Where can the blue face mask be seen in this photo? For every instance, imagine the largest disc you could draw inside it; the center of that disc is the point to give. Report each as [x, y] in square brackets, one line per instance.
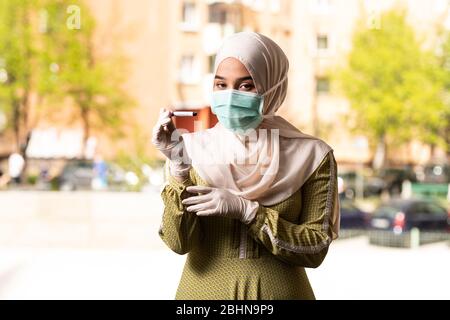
[237, 110]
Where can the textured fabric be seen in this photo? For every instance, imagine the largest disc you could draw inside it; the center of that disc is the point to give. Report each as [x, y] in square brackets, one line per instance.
[263, 260]
[267, 166]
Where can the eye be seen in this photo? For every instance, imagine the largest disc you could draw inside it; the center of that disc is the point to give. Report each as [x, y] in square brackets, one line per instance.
[246, 87]
[221, 85]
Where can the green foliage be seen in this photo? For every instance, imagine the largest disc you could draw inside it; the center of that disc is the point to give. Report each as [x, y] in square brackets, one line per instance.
[43, 55]
[93, 82]
[444, 60]
[18, 52]
[32, 179]
[393, 84]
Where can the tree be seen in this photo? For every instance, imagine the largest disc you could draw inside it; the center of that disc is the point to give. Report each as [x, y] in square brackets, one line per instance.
[47, 51]
[392, 85]
[18, 65]
[444, 125]
[91, 81]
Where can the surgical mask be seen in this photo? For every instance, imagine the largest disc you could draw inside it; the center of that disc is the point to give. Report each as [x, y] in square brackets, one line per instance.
[237, 110]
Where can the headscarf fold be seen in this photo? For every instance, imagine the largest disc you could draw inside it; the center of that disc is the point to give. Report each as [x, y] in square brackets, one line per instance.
[273, 164]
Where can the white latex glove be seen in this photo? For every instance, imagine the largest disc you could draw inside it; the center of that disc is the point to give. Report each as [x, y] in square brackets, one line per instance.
[162, 140]
[220, 202]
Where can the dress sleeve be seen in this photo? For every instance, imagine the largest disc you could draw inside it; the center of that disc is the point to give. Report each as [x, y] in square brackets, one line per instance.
[304, 243]
[180, 229]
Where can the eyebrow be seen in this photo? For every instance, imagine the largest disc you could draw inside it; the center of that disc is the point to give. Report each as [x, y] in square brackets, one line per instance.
[239, 79]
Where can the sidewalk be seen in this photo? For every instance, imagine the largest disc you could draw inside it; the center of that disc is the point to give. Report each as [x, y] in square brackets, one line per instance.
[106, 246]
[352, 270]
[88, 274]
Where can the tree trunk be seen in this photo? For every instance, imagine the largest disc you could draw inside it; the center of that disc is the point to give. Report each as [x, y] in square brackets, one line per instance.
[447, 138]
[379, 159]
[86, 128]
[16, 125]
[26, 130]
[432, 151]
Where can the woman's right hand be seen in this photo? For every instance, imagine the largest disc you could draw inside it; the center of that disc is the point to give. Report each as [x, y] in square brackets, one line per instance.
[162, 140]
[162, 133]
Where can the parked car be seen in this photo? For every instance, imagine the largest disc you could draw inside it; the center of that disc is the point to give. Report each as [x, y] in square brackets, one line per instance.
[353, 217]
[79, 175]
[394, 177]
[354, 221]
[393, 222]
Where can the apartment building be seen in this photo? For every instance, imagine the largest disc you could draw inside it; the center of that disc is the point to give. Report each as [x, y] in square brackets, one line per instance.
[171, 44]
[174, 43]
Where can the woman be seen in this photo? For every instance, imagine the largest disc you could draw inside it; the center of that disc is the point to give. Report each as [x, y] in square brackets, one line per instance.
[250, 226]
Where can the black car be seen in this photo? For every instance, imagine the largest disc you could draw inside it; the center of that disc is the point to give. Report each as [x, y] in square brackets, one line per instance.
[400, 222]
[354, 221]
[353, 217]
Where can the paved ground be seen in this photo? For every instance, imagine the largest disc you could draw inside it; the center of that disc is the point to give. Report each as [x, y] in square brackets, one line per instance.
[105, 246]
[352, 270]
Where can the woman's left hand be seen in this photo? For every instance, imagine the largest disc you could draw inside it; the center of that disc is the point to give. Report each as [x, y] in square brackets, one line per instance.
[220, 202]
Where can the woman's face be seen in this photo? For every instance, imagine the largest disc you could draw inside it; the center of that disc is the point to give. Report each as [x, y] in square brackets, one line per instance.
[232, 74]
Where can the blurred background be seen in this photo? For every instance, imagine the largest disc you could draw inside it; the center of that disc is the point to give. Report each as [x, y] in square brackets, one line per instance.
[81, 85]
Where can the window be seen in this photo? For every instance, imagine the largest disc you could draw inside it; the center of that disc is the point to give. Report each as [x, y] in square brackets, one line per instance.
[418, 209]
[323, 86]
[435, 210]
[322, 42]
[322, 45]
[189, 70]
[189, 16]
[217, 13]
[224, 14]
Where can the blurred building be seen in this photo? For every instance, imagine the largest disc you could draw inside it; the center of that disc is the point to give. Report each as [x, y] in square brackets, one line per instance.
[321, 37]
[171, 45]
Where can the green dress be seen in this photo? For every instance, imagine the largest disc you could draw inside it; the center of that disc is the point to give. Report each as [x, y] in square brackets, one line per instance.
[262, 260]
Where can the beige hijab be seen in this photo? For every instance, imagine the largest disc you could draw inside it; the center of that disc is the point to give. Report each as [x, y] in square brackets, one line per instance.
[272, 165]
